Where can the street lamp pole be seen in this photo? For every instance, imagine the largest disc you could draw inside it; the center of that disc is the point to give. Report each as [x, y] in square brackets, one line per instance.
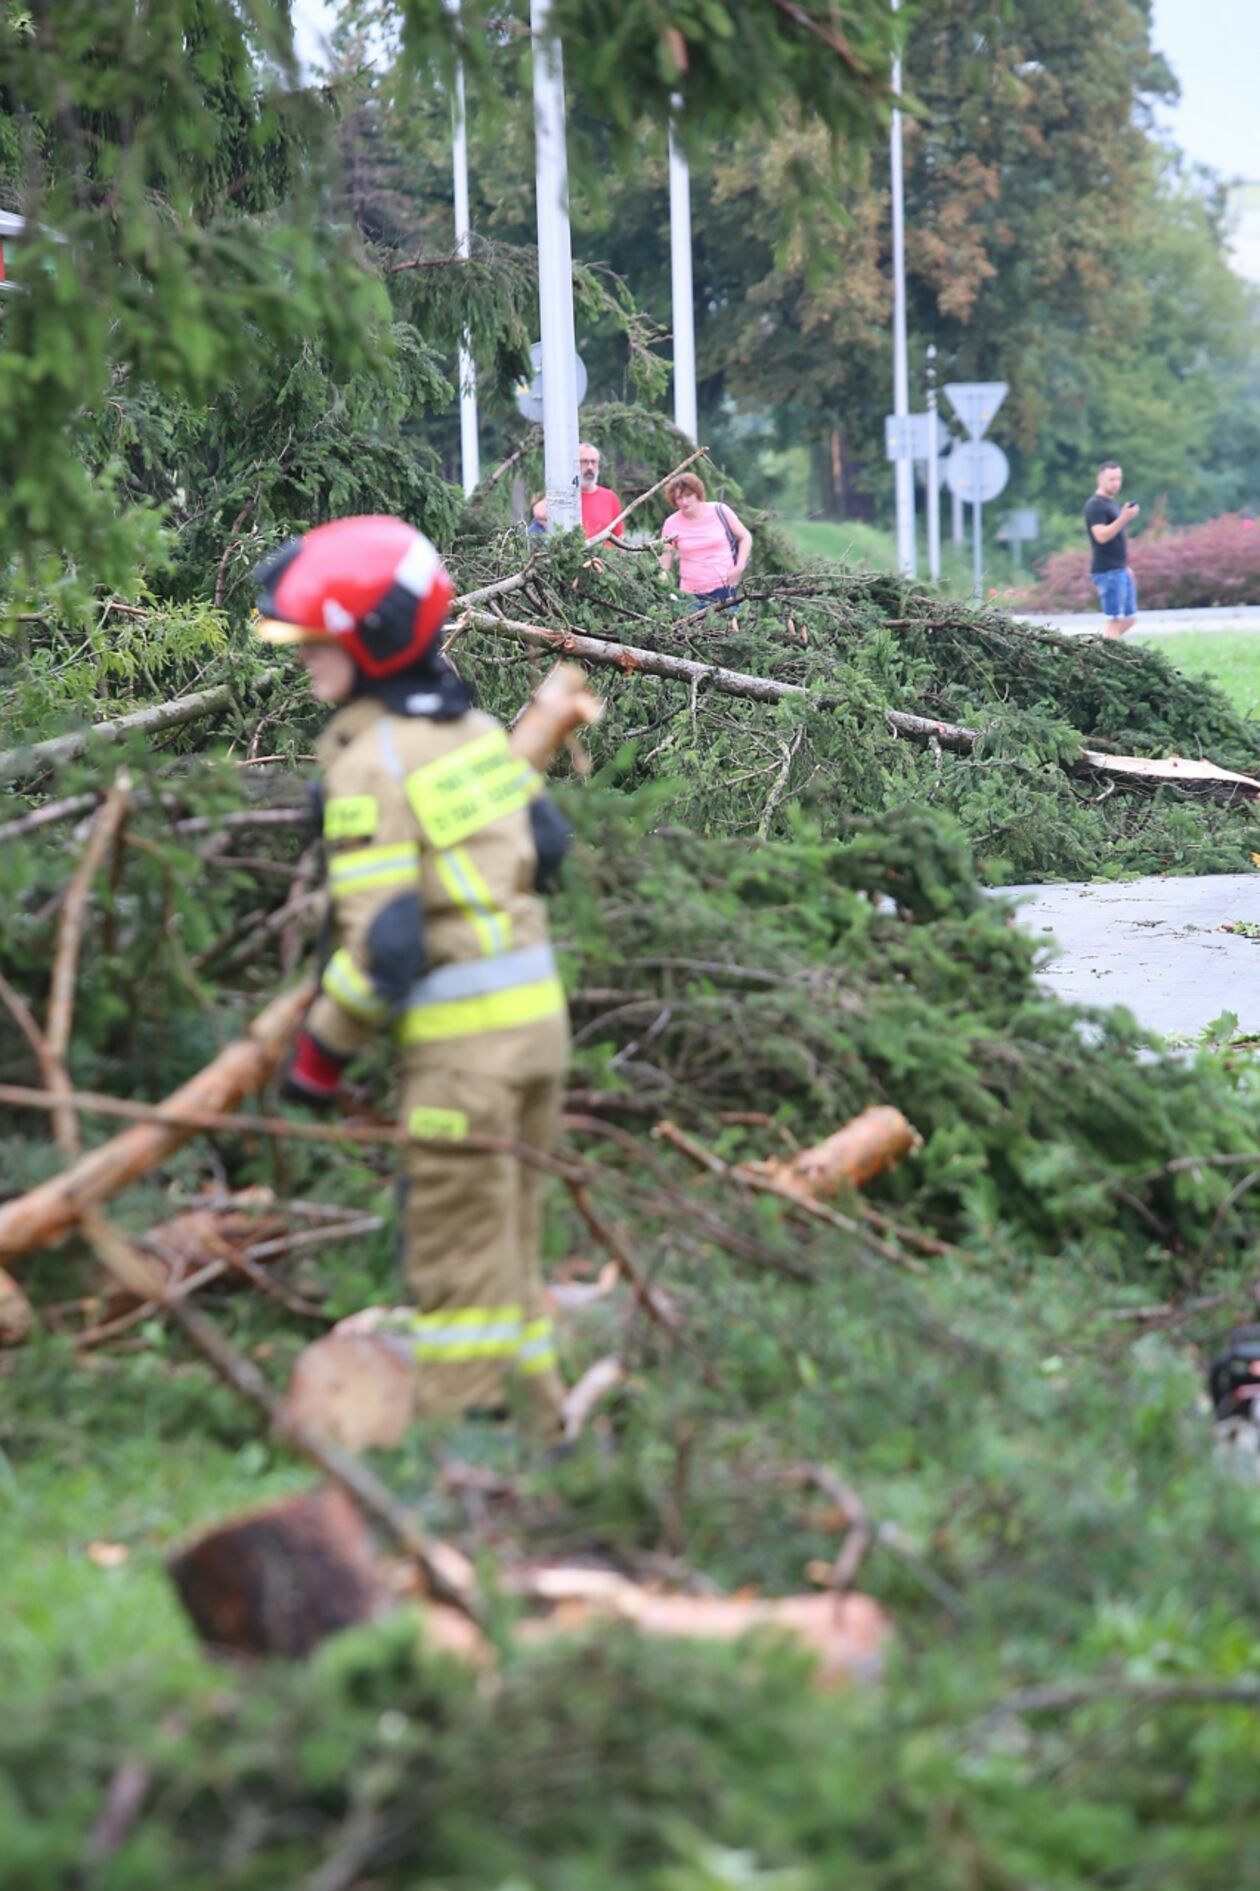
[904, 467]
[469, 449]
[682, 293]
[933, 472]
[555, 279]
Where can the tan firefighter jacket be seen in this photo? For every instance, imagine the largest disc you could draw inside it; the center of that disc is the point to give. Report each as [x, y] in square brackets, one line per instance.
[438, 932]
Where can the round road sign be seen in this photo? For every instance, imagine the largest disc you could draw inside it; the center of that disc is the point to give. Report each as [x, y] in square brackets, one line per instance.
[528, 394]
[977, 470]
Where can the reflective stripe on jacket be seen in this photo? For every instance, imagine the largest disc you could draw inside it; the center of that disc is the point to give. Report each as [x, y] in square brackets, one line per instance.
[430, 853]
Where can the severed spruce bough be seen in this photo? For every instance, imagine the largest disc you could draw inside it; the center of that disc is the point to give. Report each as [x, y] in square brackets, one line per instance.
[990, 1360]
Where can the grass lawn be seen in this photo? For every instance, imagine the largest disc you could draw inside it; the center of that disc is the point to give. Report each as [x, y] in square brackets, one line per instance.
[849, 542]
[1230, 658]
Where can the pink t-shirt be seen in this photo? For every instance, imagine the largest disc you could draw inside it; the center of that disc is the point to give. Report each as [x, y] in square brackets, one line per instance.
[705, 562]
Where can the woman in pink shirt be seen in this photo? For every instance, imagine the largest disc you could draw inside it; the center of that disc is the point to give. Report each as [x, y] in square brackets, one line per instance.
[712, 545]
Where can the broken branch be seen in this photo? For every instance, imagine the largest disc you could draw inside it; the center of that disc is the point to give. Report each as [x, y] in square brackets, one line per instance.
[105, 829]
[654, 1304]
[50, 1211]
[645, 496]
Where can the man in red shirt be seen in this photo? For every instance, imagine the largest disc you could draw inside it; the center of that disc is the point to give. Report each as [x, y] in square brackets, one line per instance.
[600, 504]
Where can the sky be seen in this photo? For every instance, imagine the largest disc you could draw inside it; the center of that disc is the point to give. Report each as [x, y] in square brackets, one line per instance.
[312, 20]
[1213, 46]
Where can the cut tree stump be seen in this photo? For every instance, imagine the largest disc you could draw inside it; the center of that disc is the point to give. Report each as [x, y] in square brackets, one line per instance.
[282, 1579]
[355, 1388]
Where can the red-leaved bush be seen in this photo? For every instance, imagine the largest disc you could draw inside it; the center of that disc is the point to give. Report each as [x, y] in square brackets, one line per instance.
[1216, 563]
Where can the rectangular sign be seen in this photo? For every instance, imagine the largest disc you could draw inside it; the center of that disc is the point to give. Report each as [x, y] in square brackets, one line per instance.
[898, 437]
[1020, 524]
[906, 436]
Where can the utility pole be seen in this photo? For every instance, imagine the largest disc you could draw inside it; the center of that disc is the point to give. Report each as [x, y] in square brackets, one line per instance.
[555, 279]
[904, 467]
[933, 472]
[469, 449]
[682, 294]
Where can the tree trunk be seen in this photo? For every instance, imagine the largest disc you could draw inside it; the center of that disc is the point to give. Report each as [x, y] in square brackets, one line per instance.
[1222, 784]
[63, 748]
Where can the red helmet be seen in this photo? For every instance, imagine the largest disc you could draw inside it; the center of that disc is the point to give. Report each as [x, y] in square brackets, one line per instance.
[375, 586]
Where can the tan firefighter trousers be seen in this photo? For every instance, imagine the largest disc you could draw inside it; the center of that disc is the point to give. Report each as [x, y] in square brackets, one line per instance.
[471, 1229]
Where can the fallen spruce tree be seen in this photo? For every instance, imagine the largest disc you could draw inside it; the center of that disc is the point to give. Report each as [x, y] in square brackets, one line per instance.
[977, 1380]
[1061, 757]
[858, 691]
[1023, 1451]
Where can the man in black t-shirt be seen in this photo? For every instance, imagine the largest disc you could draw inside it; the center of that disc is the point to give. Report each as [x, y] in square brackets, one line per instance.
[1108, 553]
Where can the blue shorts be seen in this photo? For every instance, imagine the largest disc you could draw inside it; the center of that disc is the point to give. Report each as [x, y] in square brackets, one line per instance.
[1117, 592]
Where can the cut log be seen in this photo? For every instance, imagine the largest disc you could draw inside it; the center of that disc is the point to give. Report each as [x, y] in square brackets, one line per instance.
[50, 1212]
[282, 1579]
[356, 1389]
[560, 704]
[874, 1141]
[849, 1634]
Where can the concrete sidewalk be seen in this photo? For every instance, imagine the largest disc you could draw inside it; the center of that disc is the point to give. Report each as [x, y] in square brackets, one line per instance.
[1245, 617]
[1153, 945]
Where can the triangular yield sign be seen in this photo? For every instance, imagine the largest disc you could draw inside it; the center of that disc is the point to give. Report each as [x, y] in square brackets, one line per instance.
[975, 403]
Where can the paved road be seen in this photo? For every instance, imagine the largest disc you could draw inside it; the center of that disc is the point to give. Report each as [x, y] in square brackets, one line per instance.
[1154, 945]
[1159, 623]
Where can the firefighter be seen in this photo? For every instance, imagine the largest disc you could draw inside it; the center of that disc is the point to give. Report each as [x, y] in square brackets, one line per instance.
[439, 841]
